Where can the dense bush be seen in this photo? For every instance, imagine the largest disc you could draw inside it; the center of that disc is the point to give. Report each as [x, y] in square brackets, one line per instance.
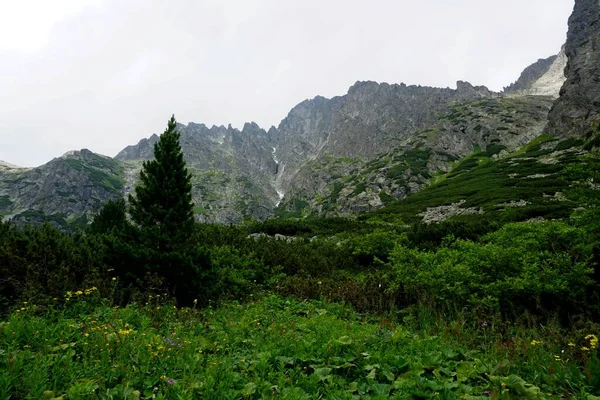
[41, 263]
[538, 267]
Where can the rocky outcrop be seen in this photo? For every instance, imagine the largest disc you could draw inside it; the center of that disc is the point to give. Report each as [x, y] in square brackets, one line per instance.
[7, 166]
[144, 150]
[67, 188]
[493, 127]
[233, 171]
[370, 119]
[577, 112]
[544, 77]
[435, 215]
[550, 83]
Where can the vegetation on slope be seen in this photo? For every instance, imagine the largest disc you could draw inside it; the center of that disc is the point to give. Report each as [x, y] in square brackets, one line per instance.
[372, 307]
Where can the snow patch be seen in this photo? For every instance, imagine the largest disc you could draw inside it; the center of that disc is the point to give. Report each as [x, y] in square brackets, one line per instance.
[280, 193]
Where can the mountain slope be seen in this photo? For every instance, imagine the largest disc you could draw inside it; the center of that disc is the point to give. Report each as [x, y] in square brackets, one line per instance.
[233, 171]
[366, 150]
[577, 111]
[543, 78]
[65, 190]
[337, 186]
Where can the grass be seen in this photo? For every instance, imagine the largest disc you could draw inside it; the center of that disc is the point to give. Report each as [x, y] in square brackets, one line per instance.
[200, 210]
[277, 347]
[483, 183]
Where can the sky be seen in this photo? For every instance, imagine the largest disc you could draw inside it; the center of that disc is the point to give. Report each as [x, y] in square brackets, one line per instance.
[103, 74]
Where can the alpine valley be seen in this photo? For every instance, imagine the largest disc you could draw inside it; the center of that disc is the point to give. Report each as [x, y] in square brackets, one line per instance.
[419, 152]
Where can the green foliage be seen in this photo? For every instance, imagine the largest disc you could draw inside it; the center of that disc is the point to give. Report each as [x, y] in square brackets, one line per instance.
[534, 267]
[385, 197]
[455, 302]
[485, 184]
[162, 205]
[163, 213]
[38, 264]
[112, 217]
[277, 347]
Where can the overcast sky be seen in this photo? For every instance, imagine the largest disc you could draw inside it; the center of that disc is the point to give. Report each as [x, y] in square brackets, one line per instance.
[102, 74]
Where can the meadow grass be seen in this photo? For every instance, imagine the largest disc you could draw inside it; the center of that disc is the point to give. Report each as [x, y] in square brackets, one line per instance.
[277, 347]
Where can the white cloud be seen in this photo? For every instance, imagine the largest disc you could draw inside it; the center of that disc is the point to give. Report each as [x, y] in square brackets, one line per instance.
[25, 25]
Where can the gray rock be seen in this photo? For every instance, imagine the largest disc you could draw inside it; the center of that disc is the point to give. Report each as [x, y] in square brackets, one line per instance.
[577, 111]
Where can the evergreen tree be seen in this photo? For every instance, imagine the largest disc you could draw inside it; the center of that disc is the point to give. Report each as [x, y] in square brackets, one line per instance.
[111, 218]
[162, 212]
[162, 205]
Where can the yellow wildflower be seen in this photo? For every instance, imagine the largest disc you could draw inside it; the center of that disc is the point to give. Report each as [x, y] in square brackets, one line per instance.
[585, 348]
[114, 279]
[536, 342]
[571, 344]
[593, 340]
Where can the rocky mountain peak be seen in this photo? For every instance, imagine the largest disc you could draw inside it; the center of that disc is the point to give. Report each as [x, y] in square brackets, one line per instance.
[6, 165]
[577, 112]
[545, 77]
[465, 89]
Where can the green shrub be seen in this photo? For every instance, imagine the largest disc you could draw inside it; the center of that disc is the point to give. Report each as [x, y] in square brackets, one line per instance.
[538, 267]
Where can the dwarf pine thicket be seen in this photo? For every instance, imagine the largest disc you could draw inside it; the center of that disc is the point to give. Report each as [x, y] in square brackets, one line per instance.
[155, 306]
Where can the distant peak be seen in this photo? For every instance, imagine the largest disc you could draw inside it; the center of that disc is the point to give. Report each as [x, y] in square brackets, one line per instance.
[71, 153]
[463, 87]
[5, 164]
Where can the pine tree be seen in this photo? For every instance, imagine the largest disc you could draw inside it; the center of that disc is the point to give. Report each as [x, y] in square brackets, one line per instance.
[162, 205]
[111, 218]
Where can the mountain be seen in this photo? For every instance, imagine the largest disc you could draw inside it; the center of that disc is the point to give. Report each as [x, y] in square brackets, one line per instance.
[339, 156]
[577, 112]
[66, 190]
[543, 78]
[337, 186]
[419, 152]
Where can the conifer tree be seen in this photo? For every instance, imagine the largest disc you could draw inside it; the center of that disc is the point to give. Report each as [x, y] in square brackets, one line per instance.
[162, 205]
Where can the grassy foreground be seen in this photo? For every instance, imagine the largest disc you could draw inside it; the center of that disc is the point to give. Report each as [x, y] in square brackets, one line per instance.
[278, 347]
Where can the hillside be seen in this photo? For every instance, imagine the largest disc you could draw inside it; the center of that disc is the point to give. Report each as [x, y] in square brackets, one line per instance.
[359, 152]
[362, 145]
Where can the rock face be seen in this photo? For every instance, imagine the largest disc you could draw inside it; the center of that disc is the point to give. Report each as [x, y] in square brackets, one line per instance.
[370, 119]
[66, 189]
[530, 75]
[357, 152]
[339, 186]
[6, 166]
[577, 111]
[543, 78]
[233, 171]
